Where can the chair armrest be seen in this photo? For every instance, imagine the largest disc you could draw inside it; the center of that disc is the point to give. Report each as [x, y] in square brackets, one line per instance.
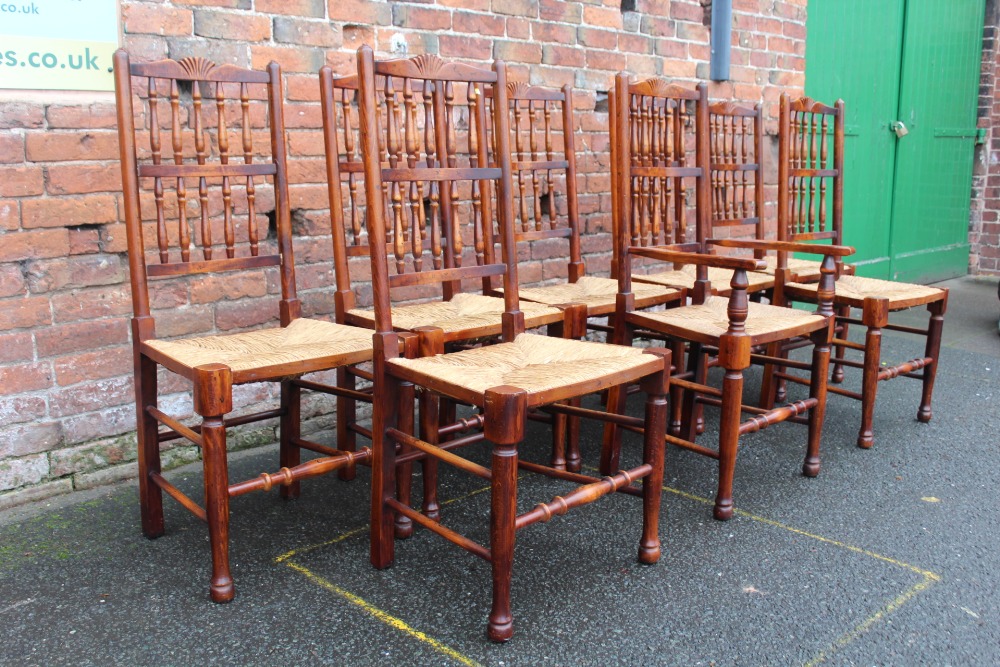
[787, 246]
[717, 261]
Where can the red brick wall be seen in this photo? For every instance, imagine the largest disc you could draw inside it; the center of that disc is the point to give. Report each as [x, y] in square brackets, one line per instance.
[984, 223]
[66, 413]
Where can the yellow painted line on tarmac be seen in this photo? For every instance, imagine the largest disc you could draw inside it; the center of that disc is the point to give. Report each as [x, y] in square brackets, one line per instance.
[867, 624]
[373, 611]
[385, 617]
[928, 578]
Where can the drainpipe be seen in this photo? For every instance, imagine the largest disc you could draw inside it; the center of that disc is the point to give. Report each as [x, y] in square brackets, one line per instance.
[721, 38]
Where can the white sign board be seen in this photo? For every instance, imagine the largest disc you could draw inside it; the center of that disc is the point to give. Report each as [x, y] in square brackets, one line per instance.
[58, 44]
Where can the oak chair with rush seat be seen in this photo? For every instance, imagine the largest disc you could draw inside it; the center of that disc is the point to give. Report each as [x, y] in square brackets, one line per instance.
[501, 381]
[805, 161]
[546, 212]
[648, 143]
[213, 228]
[445, 225]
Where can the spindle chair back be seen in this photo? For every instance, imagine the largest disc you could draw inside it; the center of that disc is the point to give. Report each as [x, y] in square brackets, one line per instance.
[435, 225]
[546, 207]
[736, 161]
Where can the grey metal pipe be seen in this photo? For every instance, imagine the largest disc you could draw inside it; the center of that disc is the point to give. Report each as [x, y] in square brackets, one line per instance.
[721, 39]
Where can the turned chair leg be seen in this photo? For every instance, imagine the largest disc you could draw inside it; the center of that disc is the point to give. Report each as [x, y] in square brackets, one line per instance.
[346, 418]
[653, 448]
[688, 429]
[447, 413]
[842, 331]
[574, 462]
[384, 417]
[932, 350]
[430, 341]
[505, 414]
[676, 393]
[404, 473]
[729, 436]
[869, 386]
[611, 443]
[289, 454]
[150, 495]
[768, 383]
[817, 390]
[213, 398]
[617, 397]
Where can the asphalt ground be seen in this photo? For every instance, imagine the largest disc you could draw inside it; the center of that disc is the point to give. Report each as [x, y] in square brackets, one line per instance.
[887, 558]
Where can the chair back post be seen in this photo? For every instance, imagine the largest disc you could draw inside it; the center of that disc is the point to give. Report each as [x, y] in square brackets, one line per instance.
[758, 179]
[440, 96]
[375, 216]
[290, 307]
[838, 181]
[784, 202]
[130, 189]
[621, 161]
[343, 296]
[613, 148]
[577, 267]
[703, 192]
[513, 318]
[483, 194]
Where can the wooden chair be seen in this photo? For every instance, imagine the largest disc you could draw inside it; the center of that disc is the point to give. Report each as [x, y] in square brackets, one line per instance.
[504, 381]
[434, 216]
[805, 166]
[655, 125]
[546, 212]
[213, 228]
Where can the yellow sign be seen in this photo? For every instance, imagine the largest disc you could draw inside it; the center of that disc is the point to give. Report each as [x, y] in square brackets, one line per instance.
[57, 44]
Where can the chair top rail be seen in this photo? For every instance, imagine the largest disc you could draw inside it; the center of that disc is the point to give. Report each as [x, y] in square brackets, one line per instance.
[198, 69]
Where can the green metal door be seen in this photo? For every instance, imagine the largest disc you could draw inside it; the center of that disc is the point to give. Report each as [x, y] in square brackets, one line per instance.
[906, 199]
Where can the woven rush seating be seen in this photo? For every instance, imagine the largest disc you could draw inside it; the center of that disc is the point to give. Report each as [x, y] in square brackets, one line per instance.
[853, 290]
[708, 321]
[804, 269]
[466, 316]
[720, 278]
[598, 294]
[302, 346]
[547, 368]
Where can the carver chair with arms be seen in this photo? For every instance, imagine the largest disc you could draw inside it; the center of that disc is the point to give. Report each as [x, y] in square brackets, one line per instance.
[655, 125]
[805, 166]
